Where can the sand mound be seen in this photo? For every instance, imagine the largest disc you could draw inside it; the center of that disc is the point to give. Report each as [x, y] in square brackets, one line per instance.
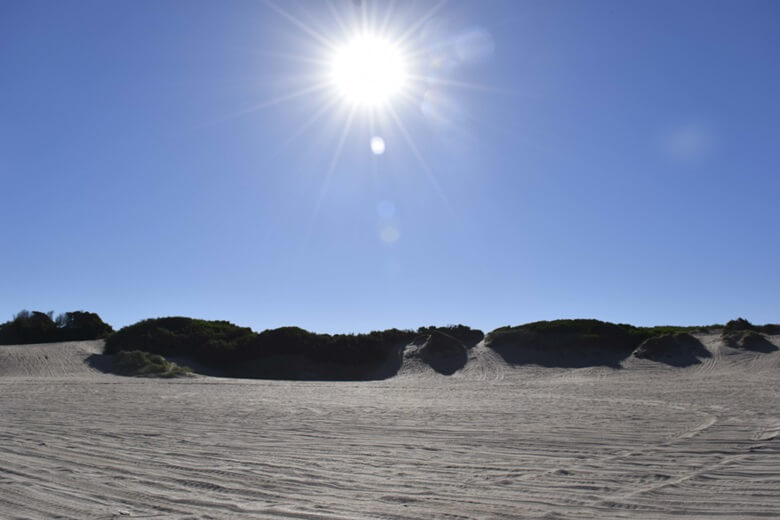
[484, 364]
[441, 352]
[50, 359]
[748, 340]
[679, 349]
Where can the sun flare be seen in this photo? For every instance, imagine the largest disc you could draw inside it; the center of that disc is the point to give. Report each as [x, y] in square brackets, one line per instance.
[368, 71]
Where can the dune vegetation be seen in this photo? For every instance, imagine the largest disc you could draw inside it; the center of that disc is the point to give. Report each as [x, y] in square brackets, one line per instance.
[142, 364]
[41, 327]
[221, 347]
[741, 325]
[576, 342]
[742, 334]
[282, 353]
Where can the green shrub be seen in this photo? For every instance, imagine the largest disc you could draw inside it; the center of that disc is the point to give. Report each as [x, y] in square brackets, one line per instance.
[354, 350]
[213, 342]
[741, 324]
[579, 333]
[81, 325]
[737, 325]
[275, 353]
[143, 364]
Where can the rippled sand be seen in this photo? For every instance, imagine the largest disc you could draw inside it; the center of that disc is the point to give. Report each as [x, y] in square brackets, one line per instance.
[491, 441]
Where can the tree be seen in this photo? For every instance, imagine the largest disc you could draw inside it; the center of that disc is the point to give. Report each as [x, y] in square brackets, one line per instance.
[81, 325]
[39, 327]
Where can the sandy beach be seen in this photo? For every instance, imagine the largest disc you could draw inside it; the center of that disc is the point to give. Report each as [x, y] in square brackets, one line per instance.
[491, 441]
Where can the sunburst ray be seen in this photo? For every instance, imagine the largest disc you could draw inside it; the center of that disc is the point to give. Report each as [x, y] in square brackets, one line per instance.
[331, 168]
[418, 156]
[301, 25]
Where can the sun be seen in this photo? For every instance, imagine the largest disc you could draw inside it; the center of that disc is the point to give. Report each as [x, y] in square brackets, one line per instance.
[368, 71]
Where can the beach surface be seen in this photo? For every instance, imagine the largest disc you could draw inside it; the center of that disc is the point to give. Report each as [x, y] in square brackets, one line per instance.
[491, 441]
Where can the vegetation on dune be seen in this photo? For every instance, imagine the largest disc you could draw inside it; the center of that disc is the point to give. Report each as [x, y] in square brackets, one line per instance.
[41, 327]
[214, 342]
[738, 324]
[292, 352]
[28, 327]
[81, 325]
[295, 353]
[662, 330]
[741, 324]
[577, 342]
[583, 333]
[142, 364]
[286, 352]
[338, 348]
[564, 343]
[577, 333]
[742, 334]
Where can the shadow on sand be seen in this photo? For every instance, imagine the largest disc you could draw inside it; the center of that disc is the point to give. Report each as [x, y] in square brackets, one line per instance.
[442, 352]
[297, 368]
[680, 350]
[101, 362]
[303, 368]
[749, 340]
[559, 351]
[560, 356]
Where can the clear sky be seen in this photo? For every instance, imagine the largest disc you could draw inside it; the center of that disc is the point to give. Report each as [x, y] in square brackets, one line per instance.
[615, 160]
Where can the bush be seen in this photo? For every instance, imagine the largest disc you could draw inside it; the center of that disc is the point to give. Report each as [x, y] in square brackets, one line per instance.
[737, 325]
[28, 327]
[322, 356]
[581, 333]
[564, 343]
[286, 352]
[80, 325]
[213, 342]
[741, 324]
[142, 364]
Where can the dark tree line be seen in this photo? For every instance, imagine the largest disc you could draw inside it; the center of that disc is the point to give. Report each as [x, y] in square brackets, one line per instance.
[286, 352]
[42, 327]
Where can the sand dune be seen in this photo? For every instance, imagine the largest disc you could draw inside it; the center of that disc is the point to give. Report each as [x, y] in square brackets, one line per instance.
[491, 441]
[49, 359]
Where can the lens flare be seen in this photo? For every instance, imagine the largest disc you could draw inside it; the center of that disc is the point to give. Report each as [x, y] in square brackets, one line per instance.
[377, 145]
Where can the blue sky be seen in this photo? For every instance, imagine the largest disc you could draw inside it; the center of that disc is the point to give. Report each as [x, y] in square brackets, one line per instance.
[614, 160]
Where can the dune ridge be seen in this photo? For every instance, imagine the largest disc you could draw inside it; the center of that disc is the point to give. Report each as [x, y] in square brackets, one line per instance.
[438, 353]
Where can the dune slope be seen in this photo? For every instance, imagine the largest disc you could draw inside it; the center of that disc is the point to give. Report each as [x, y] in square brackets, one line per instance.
[49, 359]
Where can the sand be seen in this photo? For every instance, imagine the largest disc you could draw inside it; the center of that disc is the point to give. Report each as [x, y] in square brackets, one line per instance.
[649, 440]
